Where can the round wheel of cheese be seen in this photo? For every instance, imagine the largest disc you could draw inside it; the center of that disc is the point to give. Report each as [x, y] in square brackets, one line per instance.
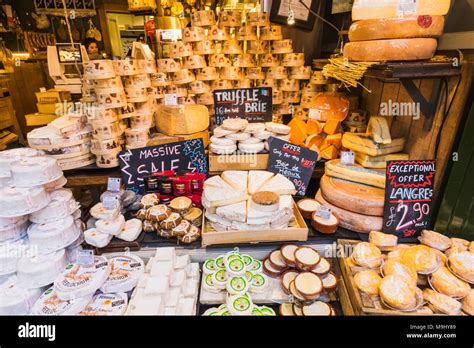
[287, 278]
[238, 136]
[264, 135]
[325, 226]
[223, 150]
[358, 198]
[318, 308]
[353, 221]
[306, 258]
[251, 148]
[309, 285]
[220, 132]
[286, 310]
[235, 124]
[251, 140]
[222, 141]
[329, 282]
[269, 270]
[283, 137]
[322, 268]
[253, 128]
[288, 254]
[277, 261]
[277, 128]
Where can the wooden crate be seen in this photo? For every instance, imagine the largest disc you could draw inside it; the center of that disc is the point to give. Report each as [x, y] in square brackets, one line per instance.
[357, 302]
[298, 231]
[220, 163]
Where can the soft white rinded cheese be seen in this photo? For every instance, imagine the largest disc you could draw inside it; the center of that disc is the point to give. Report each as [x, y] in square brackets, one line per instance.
[131, 230]
[79, 281]
[161, 268]
[157, 285]
[146, 306]
[170, 311]
[107, 304]
[11, 253]
[218, 219]
[19, 201]
[41, 270]
[186, 306]
[191, 289]
[125, 273]
[99, 212]
[96, 238]
[35, 171]
[192, 270]
[112, 227]
[9, 156]
[257, 179]
[249, 227]
[234, 212]
[54, 235]
[216, 181]
[50, 304]
[236, 179]
[15, 299]
[182, 262]
[62, 204]
[15, 231]
[166, 254]
[178, 279]
[219, 197]
[279, 184]
[172, 297]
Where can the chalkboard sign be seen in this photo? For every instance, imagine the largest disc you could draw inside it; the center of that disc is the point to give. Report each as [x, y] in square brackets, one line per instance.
[185, 155]
[253, 104]
[408, 198]
[292, 161]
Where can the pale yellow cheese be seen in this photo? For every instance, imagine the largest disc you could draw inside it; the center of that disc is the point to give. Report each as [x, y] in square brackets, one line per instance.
[379, 162]
[182, 119]
[379, 130]
[355, 173]
[367, 146]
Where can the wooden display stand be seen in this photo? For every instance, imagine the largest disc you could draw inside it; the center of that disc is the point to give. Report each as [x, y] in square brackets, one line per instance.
[297, 231]
[220, 163]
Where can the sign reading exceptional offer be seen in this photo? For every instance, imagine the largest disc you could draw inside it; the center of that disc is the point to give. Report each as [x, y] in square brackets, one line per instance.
[252, 104]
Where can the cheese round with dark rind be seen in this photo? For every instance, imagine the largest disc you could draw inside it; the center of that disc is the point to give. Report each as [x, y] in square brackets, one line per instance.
[358, 198]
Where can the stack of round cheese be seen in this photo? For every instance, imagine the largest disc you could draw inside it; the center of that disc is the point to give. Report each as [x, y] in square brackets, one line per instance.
[238, 134]
[15, 299]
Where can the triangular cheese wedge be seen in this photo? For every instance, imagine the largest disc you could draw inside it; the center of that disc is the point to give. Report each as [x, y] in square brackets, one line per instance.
[236, 179]
[279, 184]
[216, 181]
[257, 178]
[234, 212]
[221, 196]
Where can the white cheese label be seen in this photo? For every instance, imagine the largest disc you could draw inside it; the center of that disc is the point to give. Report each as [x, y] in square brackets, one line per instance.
[171, 99]
[315, 114]
[348, 158]
[110, 202]
[323, 212]
[85, 258]
[406, 7]
[113, 184]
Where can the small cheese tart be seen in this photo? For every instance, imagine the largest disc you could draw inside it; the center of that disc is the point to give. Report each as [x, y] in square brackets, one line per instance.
[158, 213]
[435, 240]
[383, 240]
[288, 254]
[397, 293]
[367, 255]
[309, 285]
[306, 258]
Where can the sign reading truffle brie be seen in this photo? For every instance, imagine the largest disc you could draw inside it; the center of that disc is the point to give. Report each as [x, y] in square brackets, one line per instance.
[408, 198]
[138, 163]
[293, 162]
[252, 104]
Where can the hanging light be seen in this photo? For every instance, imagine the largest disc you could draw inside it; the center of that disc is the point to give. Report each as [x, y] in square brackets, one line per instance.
[291, 15]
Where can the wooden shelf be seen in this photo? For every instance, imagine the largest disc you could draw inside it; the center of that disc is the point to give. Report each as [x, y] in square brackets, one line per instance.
[413, 70]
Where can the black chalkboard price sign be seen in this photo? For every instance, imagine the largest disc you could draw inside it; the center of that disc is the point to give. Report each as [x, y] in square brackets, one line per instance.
[253, 104]
[185, 155]
[408, 198]
[293, 162]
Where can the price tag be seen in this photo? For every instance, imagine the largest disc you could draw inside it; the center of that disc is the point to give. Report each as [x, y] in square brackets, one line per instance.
[348, 158]
[323, 212]
[110, 202]
[314, 114]
[171, 99]
[114, 184]
[85, 258]
[406, 7]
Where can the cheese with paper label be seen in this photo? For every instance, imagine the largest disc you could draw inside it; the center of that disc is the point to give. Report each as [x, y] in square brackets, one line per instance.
[376, 9]
[379, 162]
[183, 119]
[397, 28]
[355, 173]
[360, 143]
[379, 130]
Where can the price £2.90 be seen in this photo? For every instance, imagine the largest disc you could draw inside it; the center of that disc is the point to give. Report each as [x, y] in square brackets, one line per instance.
[422, 210]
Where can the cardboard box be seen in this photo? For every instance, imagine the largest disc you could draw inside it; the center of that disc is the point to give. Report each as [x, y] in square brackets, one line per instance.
[39, 119]
[53, 96]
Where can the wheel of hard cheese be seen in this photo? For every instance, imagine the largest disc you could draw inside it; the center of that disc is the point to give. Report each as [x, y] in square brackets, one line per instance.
[397, 28]
[353, 221]
[394, 50]
[348, 195]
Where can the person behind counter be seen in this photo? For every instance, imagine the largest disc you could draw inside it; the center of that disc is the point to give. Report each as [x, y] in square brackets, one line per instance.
[92, 47]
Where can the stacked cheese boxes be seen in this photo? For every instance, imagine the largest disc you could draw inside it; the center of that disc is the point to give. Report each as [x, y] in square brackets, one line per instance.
[238, 52]
[433, 278]
[395, 30]
[255, 200]
[322, 132]
[97, 287]
[32, 255]
[356, 193]
[67, 138]
[169, 286]
[51, 104]
[116, 104]
[111, 222]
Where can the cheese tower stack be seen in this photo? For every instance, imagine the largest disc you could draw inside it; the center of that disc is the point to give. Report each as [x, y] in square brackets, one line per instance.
[395, 30]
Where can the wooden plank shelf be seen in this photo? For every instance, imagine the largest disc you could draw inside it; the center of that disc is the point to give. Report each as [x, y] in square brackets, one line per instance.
[413, 70]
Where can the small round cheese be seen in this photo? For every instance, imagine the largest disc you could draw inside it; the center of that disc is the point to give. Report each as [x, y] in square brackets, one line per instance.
[251, 148]
[223, 150]
[235, 124]
[277, 128]
[222, 141]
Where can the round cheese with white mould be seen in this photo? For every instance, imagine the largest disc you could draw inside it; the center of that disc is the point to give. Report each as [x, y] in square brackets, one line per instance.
[108, 160]
[237, 285]
[269, 60]
[238, 136]
[35, 171]
[99, 69]
[11, 253]
[52, 236]
[266, 201]
[130, 231]
[105, 83]
[195, 62]
[62, 204]
[99, 212]
[106, 304]
[259, 284]
[50, 304]
[126, 271]
[223, 150]
[15, 299]
[56, 184]
[141, 121]
[254, 128]
[222, 141]
[9, 156]
[96, 238]
[19, 201]
[112, 227]
[264, 135]
[78, 281]
[276, 73]
[251, 140]
[126, 67]
[134, 136]
[66, 152]
[251, 148]
[40, 270]
[323, 225]
[301, 72]
[221, 132]
[15, 231]
[277, 128]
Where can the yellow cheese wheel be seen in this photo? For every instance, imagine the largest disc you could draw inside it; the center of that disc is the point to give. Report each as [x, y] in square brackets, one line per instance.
[353, 221]
[358, 198]
[397, 28]
[391, 50]
[377, 9]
